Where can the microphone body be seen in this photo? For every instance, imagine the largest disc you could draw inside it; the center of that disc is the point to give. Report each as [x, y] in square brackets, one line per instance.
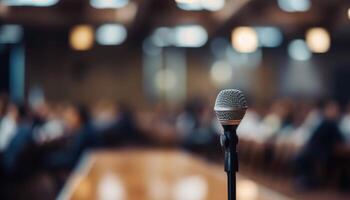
[230, 107]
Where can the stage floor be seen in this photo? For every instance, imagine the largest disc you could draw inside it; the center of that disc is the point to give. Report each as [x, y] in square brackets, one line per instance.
[155, 175]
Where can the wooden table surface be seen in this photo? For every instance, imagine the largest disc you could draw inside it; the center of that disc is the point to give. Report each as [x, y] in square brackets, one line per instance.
[154, 175]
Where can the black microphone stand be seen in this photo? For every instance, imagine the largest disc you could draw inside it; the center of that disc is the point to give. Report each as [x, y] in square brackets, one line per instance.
[229, 141]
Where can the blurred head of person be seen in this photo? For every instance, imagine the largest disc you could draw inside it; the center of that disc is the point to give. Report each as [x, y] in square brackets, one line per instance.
[330, 110]
[103, 114]
[40, 112]
[75, 118]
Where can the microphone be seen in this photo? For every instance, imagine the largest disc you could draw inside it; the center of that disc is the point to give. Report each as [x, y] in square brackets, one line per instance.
[230, 108]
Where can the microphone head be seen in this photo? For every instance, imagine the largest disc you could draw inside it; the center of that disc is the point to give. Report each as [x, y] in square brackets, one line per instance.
[230, 106]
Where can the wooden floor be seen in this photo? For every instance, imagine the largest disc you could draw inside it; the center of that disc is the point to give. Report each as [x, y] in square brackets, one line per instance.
[156, 175]
[285, 186]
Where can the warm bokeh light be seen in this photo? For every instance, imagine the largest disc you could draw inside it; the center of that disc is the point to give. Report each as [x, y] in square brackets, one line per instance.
[221, 73]
[82, 37]
[349, 13]
[318, 40]
[298, 50]
[244, 39]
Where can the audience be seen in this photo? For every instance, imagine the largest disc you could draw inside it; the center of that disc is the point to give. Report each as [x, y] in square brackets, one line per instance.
[319, 149]
[54, 136]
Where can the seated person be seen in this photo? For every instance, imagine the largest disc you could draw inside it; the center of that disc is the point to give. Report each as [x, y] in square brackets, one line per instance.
[319, 149]
[77, 124]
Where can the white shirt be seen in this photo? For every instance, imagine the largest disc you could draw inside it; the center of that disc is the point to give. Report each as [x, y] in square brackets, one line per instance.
[8, 128]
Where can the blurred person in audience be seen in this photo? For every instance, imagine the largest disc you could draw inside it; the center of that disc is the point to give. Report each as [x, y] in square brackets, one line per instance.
[304, 122]
[160, 126]
[8, 126]
[197, 126]
[117, 125]
[318, 151]
[277, 119]
[249, 126]
[270, 128]
[344, 124]
[51, 127]
[15, 156]
[103, 114]
[78, 125]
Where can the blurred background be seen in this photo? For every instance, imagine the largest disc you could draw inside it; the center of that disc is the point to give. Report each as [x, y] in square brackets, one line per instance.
[86, 75]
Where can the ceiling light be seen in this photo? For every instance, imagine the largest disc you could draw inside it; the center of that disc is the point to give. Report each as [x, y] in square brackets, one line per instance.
[101, 4]
[190, 36]
[211, 5]
[81, 37]
[39, 3]
[298, 50]
[111, 34]
[269, 36]
[244, 39]
[318, 40]
[294, 5]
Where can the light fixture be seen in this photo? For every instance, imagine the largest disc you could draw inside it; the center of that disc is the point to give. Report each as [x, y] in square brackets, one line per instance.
[190, 36]
[298, 50]
[294, 5]
[269, 36]
[102, 4]
[210, 5]
[180, 36]
[244, 39]
[318, 40]
[81, 37]
[221, 73]
[111, 34]
[38, 3]
[213, 5]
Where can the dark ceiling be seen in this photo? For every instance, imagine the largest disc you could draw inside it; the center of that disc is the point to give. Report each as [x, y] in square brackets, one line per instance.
[150, 14]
